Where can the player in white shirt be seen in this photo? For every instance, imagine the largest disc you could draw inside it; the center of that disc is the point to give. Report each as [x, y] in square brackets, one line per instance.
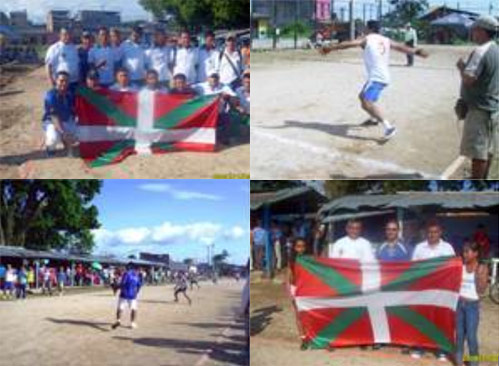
[432, 247]
[231, 64]
[158, 58]
[63, 56]
[122, 82]
[209, 58]
[134, 58]
[376, 59]
[185, 58]
[352, 246]
[102, 58]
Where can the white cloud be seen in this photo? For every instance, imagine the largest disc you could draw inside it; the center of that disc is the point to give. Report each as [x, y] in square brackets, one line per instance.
[133, 235]
[178, 193]
[235, 232]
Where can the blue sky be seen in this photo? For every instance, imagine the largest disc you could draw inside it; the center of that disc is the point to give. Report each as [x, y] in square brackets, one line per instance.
[178, 217]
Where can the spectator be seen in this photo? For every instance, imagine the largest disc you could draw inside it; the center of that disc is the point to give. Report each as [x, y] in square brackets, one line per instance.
[479, 103]
[63, 56]
[10, 281]
[31, 277]
[482, 239]
[22, 279]
[352, 246]
[61, 280]
[259, 245]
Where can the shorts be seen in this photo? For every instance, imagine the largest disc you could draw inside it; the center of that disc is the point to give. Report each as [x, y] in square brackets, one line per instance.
[53, 137]
[122, 303]
[372, 91]
[8, 286]
[480, 134]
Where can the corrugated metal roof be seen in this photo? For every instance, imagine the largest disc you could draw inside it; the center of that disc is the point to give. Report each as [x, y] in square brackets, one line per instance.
[19, 252]
[449, 200]
[259, 199]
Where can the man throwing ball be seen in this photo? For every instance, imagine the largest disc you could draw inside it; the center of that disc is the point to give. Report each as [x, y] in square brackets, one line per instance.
[129, 289]
[376, 58]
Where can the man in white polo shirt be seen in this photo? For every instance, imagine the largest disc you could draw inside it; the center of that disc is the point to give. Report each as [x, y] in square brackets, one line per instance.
[231, 64]
[186, 58]
[63, 56]
[134, 58]
[432, 247]
[209, 58]
[158, 57]
[352, 246]
[102, 58]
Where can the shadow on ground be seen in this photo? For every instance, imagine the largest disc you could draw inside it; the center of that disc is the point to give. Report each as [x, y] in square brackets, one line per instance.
[229, 352]
[341, 129]
[261, 318]
[103, 327]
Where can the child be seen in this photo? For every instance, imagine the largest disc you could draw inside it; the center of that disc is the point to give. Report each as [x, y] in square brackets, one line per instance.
[10, 279]
[61, 279]
[473, 284]
[181, 286]
[299, 248]
[22, 280]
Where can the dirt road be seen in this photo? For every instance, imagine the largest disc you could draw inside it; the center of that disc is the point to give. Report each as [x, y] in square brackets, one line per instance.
[75, 330]
[275, 341]
[306, 116]
[21, 141]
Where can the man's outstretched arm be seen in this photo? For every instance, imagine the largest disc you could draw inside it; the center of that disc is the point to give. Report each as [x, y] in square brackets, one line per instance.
[408, 50]
[324, 50]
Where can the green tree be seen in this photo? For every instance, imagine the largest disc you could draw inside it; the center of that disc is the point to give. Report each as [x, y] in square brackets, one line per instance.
[188, 261]
[220, 258]
[407, 10]
[45, 214]
[227, 14]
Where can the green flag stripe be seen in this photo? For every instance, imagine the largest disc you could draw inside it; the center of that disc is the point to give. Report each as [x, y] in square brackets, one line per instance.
[415, 272]
[341, 322]
[105, 106]
[112, 153]
[422, 324]
[329, 276]
[163, 146]
[175, 116]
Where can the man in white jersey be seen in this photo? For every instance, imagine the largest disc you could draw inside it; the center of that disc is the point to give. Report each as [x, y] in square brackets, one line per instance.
[352, 246]
[432, 247]
[63, 56]
[158, 58]
[376, 58]
[134, 58]
[185, 58]
[209, 58]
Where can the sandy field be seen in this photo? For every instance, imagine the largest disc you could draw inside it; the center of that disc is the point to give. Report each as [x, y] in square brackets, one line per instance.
[75, 330]
[275, 340]
[306, 116]
[21, 142]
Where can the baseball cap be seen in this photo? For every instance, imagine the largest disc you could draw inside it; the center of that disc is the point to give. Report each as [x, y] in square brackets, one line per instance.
[486, 22]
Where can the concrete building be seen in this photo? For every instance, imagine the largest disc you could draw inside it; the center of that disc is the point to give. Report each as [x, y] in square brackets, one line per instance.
[19, 18]
[57, 19]
[93, 19]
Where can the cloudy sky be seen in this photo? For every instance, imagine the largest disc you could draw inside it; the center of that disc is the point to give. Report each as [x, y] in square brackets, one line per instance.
[37, 9]
[179, 217]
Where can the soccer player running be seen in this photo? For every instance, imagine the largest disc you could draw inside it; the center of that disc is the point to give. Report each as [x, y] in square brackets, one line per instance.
[181, 287]
[376, 58]
[129, 290]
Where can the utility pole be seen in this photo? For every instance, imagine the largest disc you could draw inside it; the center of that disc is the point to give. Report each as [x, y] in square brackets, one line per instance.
[364, 13]
[342, 14]
[380, 11]
[352, 21]
[370, 11]
[274, 25]
[297, 9]
[490, 7]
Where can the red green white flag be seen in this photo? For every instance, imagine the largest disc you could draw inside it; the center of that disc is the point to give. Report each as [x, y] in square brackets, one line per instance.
[113, 125]
[342, 302]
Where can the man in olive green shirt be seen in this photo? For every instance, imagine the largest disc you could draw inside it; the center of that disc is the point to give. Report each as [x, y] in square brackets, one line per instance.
[480, 93]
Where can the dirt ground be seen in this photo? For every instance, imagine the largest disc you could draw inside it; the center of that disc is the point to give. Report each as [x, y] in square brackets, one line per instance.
[306, 116]
[275, 341]
[21, 155]
[75, 330]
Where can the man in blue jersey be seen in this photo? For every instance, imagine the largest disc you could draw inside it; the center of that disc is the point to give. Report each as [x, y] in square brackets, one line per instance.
[393, 249]
[129, 289]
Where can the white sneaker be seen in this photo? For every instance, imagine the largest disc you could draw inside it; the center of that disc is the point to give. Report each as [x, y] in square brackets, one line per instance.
[390, 132]
[442, 358]
[416, 355]
[133, 325]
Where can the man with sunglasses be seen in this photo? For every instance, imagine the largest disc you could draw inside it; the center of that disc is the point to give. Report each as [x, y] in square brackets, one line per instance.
[393, 249]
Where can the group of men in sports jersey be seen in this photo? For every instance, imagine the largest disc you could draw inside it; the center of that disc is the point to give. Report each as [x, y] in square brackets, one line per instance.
[170, 65]
[478, 105]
